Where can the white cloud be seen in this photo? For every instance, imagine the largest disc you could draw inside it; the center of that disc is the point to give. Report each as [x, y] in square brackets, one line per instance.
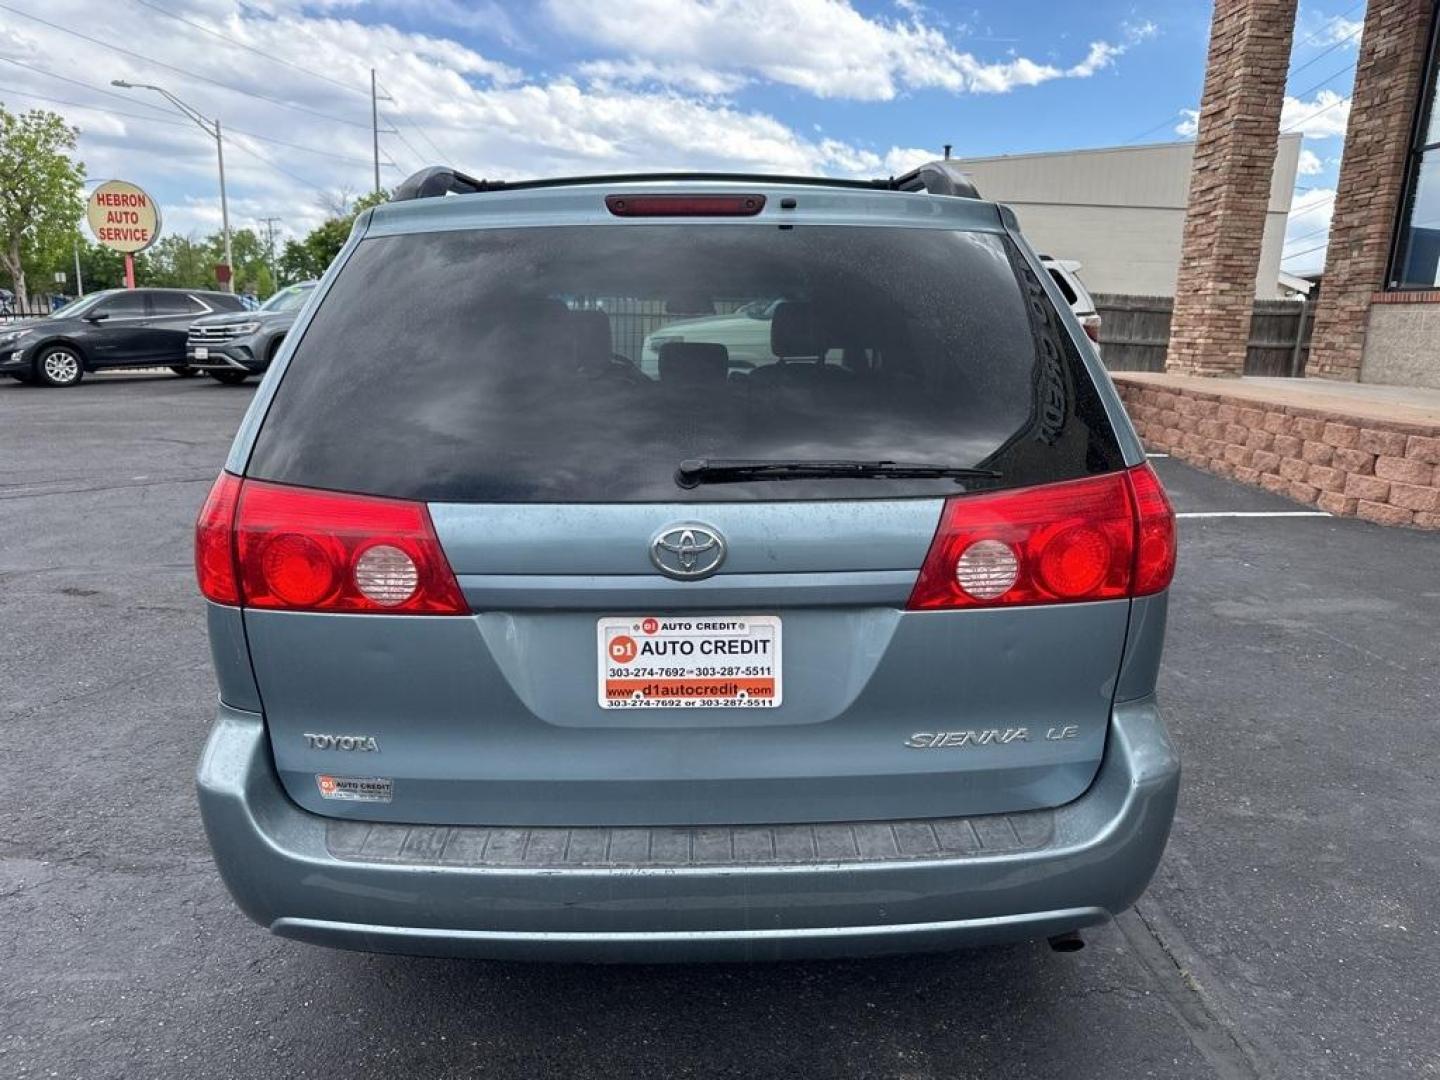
[450, 103]
[1101, 55]
[1315, 29]
[1342, 29]
[1310, 163]
[691, 77]
[1323, 118]
[842, 53]
[1307, 230]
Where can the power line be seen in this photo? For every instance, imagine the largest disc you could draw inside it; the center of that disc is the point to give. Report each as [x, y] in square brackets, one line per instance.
[1321, 56]
[1328, 23]
[278, 168]
[1307, 251]
[123, 97]
[92, 108]
[1313, 232]
[182, 71]
[1151, 130]
[401, 136]
[83, 85]
[1333, 75]
[174, 123]
[1289, 74]
[1311, 116]
[1306, 236]
[251, 49]
[441, 155]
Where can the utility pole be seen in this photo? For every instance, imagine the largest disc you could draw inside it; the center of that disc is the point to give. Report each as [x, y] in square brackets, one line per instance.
[375, 98]
[224, 209]
[269, 223]
[375, 126]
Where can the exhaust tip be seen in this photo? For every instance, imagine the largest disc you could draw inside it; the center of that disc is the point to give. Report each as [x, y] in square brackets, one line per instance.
[1066, 943]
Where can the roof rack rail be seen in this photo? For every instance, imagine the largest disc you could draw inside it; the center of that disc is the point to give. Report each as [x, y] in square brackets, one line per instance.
[936, 177]
[434, 181]
[942, 177]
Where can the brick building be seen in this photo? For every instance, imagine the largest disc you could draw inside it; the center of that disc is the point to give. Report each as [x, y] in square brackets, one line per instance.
[1360, 434]
[1378, 320]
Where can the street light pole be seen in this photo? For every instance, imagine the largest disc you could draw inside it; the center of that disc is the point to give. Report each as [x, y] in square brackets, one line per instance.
[211, 128]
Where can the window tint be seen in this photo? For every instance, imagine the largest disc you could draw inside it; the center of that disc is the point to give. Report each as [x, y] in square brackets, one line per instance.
[580, 364]
[122, 305]
[289, 299]
[1415, 261]
[168, 303]
[1065, 289]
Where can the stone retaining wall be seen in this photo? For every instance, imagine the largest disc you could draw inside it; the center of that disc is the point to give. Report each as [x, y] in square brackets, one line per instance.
[1383, 471]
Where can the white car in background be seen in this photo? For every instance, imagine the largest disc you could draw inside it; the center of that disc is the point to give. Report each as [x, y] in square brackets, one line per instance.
[1066, 275]
[746, 331]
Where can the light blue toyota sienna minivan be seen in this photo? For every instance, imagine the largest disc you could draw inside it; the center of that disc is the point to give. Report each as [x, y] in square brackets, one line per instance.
[841, 642]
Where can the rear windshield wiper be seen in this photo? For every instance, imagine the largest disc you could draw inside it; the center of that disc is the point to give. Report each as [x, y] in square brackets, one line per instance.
[699, 471]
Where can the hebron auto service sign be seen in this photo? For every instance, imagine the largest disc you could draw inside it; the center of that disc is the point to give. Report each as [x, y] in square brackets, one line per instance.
[123, 217]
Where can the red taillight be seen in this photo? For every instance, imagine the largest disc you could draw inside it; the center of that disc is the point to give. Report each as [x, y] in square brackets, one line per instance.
[684, 205]
[1101, 538]
[296, 549]
[1091, 326]
[214, 555]
[1155, 527]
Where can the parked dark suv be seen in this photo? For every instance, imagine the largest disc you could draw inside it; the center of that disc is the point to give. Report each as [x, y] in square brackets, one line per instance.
[527, 649]
[233, 346]
[116, 328]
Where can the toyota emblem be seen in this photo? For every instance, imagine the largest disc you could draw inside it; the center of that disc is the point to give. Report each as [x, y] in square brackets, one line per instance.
[687, 552]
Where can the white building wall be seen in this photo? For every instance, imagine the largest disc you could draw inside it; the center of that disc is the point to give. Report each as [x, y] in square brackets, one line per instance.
[1121, 212]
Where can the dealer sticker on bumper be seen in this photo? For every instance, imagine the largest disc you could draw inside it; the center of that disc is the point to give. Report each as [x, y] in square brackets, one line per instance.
[705, 662]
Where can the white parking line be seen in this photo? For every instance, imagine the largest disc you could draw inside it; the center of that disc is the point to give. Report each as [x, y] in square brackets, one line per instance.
[1255, 514]
[1158, 455]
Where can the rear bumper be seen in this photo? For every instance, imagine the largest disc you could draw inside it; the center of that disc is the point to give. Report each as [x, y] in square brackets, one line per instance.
[1096, 859]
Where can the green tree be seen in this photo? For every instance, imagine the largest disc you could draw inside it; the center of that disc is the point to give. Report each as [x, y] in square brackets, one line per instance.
[179, 262]
[249, 255]
[308, 258]
[41, 189]
[100, 268]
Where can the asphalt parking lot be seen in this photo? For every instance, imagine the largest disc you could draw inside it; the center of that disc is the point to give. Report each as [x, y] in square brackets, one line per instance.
[1291, 930]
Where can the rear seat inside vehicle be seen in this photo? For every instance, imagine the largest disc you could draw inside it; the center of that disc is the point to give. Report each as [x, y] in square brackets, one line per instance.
[695, 364]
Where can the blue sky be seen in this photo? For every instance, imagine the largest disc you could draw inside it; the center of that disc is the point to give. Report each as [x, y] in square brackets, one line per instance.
[848, 87]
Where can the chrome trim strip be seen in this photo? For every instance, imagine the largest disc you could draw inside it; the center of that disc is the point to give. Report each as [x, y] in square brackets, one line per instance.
[1079, 915]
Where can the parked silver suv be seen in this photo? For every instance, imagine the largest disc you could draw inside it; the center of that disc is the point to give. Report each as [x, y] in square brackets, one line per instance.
[527, 651]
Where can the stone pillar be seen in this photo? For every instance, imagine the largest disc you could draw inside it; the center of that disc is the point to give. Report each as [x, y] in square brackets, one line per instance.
[1372, 172]
[1230, 185]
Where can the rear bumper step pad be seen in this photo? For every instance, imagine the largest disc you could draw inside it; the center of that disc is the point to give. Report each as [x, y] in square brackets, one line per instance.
[779, 845]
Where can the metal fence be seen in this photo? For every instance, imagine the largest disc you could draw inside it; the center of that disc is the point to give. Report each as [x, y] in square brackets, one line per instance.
[35, 306]
[632, 320]
[1135, 332]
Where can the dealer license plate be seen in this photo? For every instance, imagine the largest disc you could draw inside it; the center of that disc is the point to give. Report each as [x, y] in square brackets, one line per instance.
[704, 662]
[202, 352]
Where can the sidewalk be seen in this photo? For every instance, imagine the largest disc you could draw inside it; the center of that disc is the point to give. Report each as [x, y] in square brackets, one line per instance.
[1352, 449]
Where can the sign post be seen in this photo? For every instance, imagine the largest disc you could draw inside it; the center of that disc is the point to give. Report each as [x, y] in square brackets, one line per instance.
[124, 219]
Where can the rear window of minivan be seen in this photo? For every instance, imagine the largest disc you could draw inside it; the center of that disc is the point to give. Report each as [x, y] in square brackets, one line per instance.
[584, 363]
